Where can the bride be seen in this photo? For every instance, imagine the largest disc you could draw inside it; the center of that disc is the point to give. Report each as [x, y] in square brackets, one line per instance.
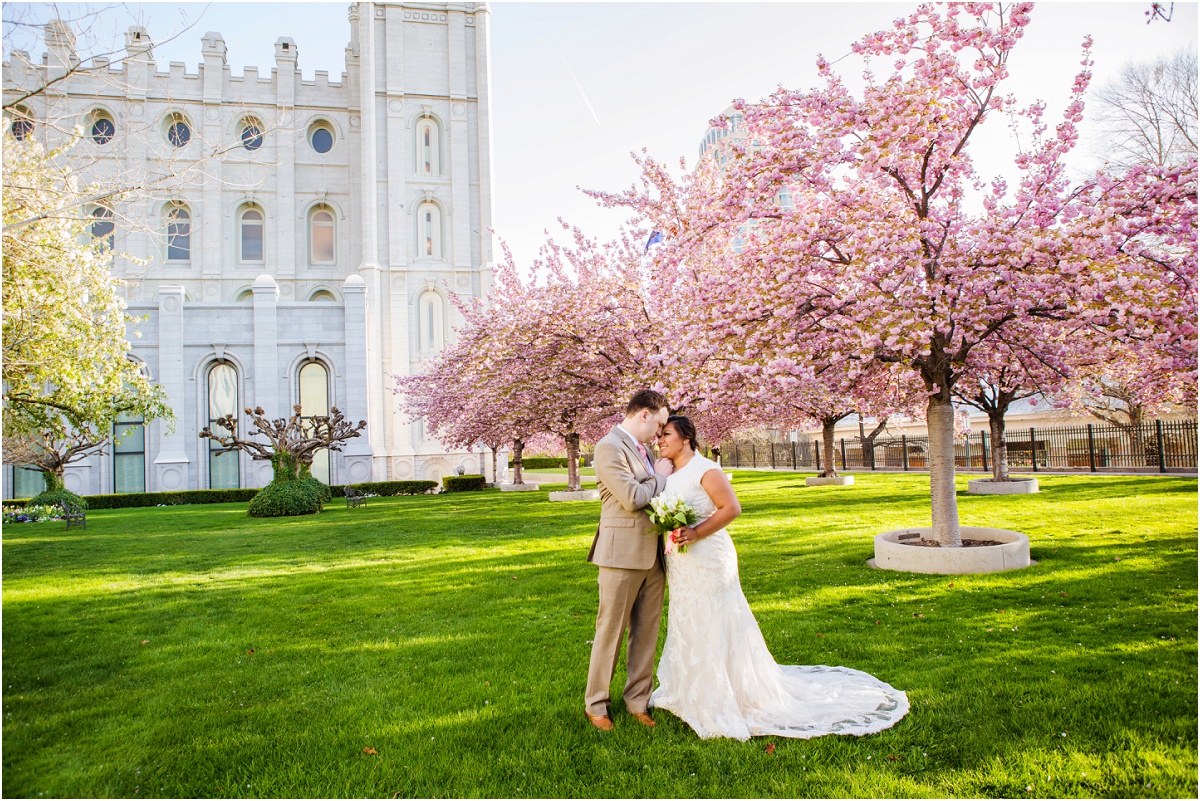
[716, 673]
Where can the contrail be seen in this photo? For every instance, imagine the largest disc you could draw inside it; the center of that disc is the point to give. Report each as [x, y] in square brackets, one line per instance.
[582, 94]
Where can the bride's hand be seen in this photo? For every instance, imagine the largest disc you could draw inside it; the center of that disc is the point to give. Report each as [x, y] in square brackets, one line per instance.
[664, 467]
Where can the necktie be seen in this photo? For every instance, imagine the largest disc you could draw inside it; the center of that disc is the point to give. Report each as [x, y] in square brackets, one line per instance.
[642, 451]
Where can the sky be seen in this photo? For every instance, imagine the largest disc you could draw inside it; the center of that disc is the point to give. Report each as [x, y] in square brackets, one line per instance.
[577, 87]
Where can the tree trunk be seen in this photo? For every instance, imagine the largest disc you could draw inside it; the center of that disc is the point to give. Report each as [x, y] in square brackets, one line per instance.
[716, 455]
[1137, 439]
[999, 445]
[495, 475]
[54, 478]
[572, 462]
[518, 449]
[939, 418]
[827, 426]
[868, 441]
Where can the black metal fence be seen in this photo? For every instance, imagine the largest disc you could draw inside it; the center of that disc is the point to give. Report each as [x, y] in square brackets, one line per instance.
[1156, 446]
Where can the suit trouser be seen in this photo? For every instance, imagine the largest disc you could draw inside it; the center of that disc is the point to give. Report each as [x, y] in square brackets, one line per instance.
[633, 600]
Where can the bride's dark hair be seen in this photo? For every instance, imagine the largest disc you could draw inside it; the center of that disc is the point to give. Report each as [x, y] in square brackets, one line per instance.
[686, 429]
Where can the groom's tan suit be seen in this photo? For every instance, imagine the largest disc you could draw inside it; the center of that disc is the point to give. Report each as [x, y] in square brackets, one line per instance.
[629, 555]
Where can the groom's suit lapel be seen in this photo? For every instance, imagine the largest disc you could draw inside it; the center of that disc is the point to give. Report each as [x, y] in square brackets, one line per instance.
[631, 449]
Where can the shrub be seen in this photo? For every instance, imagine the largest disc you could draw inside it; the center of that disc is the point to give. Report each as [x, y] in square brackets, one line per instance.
[302, 496]
[58, 497]
[387, 488]
[462, 483]
[544, 462]
[326, 492]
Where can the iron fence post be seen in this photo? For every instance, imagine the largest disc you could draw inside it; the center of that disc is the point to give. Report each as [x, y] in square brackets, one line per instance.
[1162, 454]
[844, 452]
[1091, 448]
[753, 455]
[904, 448]
[793, 456]
[983, 446]
[1033, 448]
[772, 455]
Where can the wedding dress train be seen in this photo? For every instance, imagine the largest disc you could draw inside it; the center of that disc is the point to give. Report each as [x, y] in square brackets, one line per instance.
[716, 673]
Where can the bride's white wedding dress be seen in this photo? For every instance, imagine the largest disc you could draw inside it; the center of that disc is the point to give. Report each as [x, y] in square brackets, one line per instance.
[716, 673]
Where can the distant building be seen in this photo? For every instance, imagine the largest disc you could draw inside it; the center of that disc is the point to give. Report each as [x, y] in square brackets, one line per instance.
[309, 260]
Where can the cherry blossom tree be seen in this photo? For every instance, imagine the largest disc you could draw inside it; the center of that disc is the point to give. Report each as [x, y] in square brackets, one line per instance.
[892, 250]
[462, 396]
[1005, 369]
[557, 354]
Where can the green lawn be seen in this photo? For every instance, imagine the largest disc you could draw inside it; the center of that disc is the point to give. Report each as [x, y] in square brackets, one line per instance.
[193, 651]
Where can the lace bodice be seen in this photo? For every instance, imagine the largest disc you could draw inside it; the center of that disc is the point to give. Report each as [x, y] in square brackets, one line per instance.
[686, 482]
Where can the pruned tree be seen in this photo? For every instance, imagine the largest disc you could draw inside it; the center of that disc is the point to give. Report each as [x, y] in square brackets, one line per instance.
[291, 443]
[52, 452]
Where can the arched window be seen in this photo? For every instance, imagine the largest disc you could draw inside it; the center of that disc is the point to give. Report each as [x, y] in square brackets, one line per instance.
[320, 136]
[245, 296]
[429, 231]
[129, 454]
[179, 233]
[321, 238]
[21, 122]
[101, 128]
[178, 132]
[322, 296]
[223, 470]
[104, 227]
[250, 234]
[251, 133]
[430, 322]
[428, 148]
[314, 401]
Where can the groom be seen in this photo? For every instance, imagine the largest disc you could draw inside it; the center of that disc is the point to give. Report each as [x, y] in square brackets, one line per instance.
[629, 555]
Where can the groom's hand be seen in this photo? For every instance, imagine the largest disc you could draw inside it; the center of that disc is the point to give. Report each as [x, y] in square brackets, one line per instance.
[664, 467]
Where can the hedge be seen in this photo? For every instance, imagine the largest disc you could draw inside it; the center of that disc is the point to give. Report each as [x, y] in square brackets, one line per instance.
[462, 483]
[543, 462]
[396, 487]
[130, 500]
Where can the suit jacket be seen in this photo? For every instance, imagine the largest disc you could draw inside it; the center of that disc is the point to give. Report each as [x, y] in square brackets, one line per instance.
[625, 538]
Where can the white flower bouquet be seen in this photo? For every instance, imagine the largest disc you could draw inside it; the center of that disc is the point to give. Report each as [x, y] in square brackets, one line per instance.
[669, 513]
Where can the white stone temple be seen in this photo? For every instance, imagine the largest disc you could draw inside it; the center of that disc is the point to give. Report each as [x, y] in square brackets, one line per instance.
[305, 250]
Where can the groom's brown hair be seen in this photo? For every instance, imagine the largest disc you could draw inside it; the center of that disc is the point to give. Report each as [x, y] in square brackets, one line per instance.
[645, 399]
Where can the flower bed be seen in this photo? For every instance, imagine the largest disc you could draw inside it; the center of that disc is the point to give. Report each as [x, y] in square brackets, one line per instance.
[31, 514]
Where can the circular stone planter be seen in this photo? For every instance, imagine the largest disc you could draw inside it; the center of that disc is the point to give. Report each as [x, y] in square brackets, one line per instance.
[582, 495]
[830, 481]
[518, 487]
[1014, 486]
[891, 552]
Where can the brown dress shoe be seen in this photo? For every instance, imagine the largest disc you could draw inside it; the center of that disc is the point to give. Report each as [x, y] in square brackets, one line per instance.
[644, 719]
[602, 722]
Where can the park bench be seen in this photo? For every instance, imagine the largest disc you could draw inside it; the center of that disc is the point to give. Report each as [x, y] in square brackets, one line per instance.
[354, 498]
[74, 515]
